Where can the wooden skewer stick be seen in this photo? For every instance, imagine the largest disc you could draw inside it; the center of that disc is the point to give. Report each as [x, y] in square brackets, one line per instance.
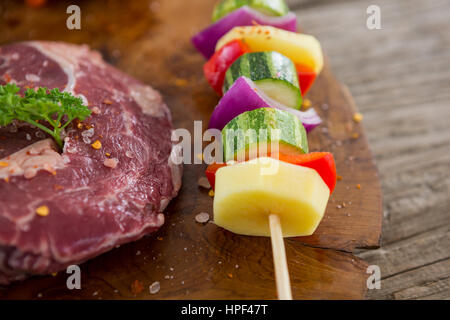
[279, 259]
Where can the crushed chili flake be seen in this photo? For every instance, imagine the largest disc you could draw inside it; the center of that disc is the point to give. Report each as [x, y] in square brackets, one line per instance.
[357, 117]
[339, 178]
[97, 145]
[107, 101]
[211, 193]
[4, 164]
[57, 187]
[230, 275]
[358, 186]
[137, 287]
[306, 103]
[7, 77]
[179, 82]
[42, 211]
[159, 238]
[6, 179]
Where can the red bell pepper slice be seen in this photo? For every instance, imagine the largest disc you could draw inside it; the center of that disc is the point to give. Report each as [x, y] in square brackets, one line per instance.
[322, 162]
[211, 172]
[306, 77]
[219, 63]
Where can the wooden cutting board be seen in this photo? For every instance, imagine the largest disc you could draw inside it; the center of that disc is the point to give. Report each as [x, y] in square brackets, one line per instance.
[151, 41]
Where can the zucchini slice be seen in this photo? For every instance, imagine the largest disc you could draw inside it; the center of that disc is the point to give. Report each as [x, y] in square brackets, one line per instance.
[267, 7]
[243, 136]
[272, 72]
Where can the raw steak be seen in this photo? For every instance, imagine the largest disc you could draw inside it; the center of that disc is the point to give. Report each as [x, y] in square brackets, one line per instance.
[97, 198]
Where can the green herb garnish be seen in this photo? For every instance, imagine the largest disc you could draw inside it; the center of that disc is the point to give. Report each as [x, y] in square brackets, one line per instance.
[55, 108]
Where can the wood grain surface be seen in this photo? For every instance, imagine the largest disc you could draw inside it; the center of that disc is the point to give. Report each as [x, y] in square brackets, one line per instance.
[400, 79]
[150, 40]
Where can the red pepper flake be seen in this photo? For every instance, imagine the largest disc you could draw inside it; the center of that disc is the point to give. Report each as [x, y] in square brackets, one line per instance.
[357, 117]
[339, 178]
[42, 211]
[3, 164]
[137, 287]
[96, 145]
[57, 187]
[107, 101]
[267, 32]
[7, 77]
[358, 186]
[160, 238]
[6, 179]
[179, 82]
[230, 275]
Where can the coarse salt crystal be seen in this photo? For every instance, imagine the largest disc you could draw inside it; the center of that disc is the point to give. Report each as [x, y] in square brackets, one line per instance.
[202, 217]
[129, 154]
[111, 163]
[154, 287]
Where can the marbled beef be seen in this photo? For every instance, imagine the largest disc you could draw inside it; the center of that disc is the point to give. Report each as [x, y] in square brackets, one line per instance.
[96, 198]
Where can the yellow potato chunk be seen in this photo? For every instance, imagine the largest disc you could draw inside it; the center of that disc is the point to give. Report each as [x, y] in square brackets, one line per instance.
[302, 49]
[247, 193]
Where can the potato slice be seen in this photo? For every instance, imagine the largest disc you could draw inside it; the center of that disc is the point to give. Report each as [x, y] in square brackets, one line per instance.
[247, 193]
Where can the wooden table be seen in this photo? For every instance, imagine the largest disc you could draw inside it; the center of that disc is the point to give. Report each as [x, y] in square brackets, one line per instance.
[400, 79]
[376, 64]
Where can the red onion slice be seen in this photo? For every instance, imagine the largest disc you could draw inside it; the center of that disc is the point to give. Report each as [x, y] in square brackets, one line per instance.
[244, 96]
[205, 41]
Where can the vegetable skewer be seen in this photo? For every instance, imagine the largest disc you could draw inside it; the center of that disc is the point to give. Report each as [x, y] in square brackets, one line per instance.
[263, 71]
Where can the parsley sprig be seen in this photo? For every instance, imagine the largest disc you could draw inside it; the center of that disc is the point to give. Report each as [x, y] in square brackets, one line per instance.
[40, 107]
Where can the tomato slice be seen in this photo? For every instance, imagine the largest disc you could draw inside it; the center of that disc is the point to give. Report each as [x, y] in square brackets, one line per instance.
[322, 162]
[219, 63]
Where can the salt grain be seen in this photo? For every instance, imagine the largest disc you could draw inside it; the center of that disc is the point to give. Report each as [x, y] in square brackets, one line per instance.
[202, 217]
[111, 163]
[154, 287]
[129, 154]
